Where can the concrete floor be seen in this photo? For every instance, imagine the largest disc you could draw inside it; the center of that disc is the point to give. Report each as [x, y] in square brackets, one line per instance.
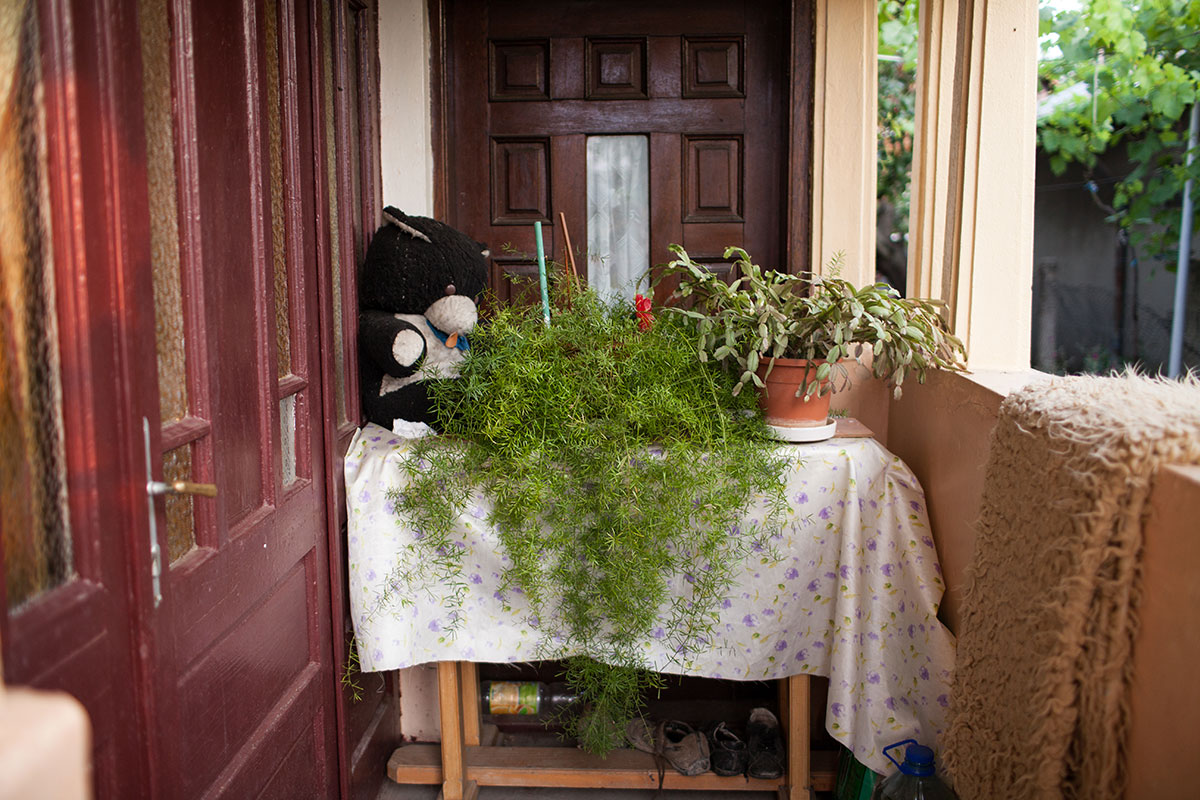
[393, 791]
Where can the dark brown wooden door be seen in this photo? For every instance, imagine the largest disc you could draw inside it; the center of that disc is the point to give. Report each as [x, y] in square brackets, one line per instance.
[536, 88]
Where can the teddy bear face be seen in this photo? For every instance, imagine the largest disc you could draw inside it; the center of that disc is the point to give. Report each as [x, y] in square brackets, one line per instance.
[454, 313]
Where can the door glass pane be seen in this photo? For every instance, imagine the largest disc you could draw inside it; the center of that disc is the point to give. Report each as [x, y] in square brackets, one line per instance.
[34, 517]
[283, 327]
[181, 526]
[287, 425]
[170, 332]
[618, 207]
[164, 226]
[355, 18]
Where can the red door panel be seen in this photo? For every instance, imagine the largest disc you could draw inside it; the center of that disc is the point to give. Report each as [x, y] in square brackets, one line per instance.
[220, 682]
[68, 129]
[244, 664]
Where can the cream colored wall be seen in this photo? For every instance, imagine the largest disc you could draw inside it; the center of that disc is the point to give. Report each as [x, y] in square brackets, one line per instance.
[942, 429]
[1163, 738]
[406, 160]
[406, 150]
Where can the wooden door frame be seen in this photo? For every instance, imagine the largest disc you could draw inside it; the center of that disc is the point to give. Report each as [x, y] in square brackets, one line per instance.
[357, 749]
[799, 135]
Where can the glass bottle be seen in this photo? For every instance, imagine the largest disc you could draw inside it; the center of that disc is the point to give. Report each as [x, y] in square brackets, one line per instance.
[525, 698]
[917, 778]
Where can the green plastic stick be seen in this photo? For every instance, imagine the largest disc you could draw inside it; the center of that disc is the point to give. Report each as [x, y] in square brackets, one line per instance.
[541, 253]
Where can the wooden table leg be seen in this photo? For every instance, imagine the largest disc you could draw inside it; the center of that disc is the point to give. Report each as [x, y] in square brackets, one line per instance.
[455, 785]
[794, 718]
[469, 674]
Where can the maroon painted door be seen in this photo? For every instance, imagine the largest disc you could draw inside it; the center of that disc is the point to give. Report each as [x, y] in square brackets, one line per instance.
[179, 235]
[698, 88]
[243, 656]
[70, 135]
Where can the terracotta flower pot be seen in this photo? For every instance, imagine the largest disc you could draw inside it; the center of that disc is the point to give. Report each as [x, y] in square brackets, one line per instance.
[778, 400]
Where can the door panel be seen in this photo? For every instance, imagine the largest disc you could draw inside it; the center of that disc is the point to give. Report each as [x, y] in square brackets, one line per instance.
[244, 665]
[67, 129]
[367, 711]
[706, 81]
[189, 186]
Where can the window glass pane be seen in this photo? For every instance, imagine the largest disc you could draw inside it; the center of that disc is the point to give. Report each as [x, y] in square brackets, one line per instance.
[283, 327]
[181, 525]
[897, 105]
[34, 518]
[618, 223]
[287, 431]
[164, 226]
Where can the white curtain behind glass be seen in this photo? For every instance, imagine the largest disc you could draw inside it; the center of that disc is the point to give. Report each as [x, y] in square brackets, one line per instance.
[618, 223]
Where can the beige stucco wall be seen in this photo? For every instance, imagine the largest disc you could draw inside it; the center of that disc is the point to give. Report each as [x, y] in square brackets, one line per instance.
[866, 400]
[1164, 737]
[405, 144]
[406, 161]
[941, 429]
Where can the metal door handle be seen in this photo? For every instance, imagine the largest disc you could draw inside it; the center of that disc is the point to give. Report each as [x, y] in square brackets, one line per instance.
[182, 487]
[153, 489]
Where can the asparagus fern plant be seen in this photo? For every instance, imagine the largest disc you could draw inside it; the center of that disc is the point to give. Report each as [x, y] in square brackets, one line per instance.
[619, 466]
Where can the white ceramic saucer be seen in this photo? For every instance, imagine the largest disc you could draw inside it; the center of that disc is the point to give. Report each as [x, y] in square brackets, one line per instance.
[817, 433]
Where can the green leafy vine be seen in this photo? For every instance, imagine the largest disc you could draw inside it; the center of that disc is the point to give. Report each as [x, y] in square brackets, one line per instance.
[620, 468]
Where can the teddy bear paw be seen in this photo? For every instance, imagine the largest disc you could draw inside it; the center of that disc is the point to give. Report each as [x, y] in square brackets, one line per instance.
[408, 347]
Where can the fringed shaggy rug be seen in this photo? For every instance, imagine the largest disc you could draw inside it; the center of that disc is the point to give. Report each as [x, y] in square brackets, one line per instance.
[1040, 705]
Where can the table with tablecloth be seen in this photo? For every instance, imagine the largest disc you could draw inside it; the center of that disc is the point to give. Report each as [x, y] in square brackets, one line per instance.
[850, 592]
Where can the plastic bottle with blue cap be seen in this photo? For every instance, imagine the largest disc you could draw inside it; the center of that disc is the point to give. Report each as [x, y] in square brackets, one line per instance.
[917, 778]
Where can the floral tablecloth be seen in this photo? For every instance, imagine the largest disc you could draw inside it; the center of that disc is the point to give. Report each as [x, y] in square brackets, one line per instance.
[853, 596]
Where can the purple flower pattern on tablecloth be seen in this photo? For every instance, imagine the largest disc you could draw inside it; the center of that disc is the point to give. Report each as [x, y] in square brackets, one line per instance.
[854, 596]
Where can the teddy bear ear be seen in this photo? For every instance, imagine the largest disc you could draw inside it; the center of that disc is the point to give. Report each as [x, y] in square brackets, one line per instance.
[397, 218]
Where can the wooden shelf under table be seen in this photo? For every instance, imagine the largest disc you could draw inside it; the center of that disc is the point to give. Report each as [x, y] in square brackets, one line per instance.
[461, 763]
[565, 767]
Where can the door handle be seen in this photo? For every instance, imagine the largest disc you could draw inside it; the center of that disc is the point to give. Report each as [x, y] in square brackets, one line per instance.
[154, 489]
[181, 487]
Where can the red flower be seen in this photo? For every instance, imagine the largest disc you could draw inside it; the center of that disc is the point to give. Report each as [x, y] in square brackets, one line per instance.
[644, 317]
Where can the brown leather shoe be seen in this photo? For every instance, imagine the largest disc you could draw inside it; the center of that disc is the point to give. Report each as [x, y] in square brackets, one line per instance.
[766, 745]
[727, 750]
[684, 747]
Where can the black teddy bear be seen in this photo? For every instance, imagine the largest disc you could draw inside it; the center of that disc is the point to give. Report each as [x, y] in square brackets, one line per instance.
[418, 294]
